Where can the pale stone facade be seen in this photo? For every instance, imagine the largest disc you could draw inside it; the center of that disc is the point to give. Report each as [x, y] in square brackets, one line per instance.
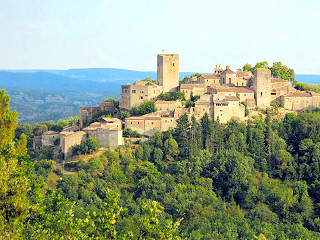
[87, 112]
[69, 139]
[167, 105]
[150, 123]
[50, 138]
[106, 135]
[300, 100]
[195, 89]
[132, 95]
[168, 72]
[262, 87]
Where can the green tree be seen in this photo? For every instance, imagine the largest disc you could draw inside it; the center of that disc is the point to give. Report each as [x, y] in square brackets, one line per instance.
[14, 183]
[278, 70]
[147, 107]
[181, 133]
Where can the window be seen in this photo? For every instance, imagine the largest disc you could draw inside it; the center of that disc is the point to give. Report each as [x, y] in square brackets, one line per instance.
[141, 91]
[171, 120]
[131, 122]
[133, 91]
[244, 94]
[52, 136]
[141, 97]
[173, 64]
[261, 93]
[165, 120]
[103, 134]
[152, 123]
[138, 122]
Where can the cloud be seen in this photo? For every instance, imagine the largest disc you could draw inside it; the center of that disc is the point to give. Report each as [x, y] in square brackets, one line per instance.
[32, 26]
[284, 38]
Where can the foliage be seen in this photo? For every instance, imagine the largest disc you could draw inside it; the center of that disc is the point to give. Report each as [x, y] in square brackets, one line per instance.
[131, 133]
[147, 107]
[88, 146]
[148, 79]
[179, 95]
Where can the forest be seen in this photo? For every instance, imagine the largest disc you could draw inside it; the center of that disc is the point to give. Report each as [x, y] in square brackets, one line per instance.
[201, 180]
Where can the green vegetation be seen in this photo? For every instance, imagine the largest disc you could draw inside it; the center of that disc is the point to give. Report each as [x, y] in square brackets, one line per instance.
[246, 109]
[144, 108]
[278, 70]
[131, 133]
[148, 79]
[308, 87]
[171, 96]
[88, 146]
[202, 180]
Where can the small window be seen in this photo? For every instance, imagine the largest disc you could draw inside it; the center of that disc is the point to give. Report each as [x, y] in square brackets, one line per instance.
[171, 120]
[141, 97]
[244, 94]
[261, 93]
[133, 91]
[166, 121]
[138, 122]
[173, 64]
[152, 123]
[131, 122]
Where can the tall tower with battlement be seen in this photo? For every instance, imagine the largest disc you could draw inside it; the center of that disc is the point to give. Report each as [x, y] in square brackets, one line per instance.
[262, 87]
[168, 72]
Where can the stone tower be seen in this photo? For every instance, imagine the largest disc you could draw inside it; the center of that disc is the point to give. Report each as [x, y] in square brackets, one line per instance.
[168, 72]
[262, 87]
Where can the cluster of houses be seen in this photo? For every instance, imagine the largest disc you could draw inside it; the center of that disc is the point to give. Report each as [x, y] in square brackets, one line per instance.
[222, 95]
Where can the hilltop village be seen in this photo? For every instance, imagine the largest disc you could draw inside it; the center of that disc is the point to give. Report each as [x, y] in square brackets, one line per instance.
[223, 95]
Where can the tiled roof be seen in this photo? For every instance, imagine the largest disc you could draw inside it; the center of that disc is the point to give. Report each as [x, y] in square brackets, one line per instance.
[279, 80]
[235, 89]
[244, 74]
[302, 94]
[190, 86]
[220, 101]
[111, 119]
[182, 110]
[165, 102]
[231, 98]
[50, 133]
[203, 103]
[67, 134]
[211, 76]
[228, 70]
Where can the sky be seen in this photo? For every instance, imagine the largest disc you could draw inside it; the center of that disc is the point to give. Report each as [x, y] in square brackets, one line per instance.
[63, 34]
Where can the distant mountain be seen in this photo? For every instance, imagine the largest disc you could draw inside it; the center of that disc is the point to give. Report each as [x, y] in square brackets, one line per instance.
[308, 78]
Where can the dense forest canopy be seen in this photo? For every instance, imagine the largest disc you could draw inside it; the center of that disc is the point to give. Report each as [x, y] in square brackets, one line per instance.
[202, 180]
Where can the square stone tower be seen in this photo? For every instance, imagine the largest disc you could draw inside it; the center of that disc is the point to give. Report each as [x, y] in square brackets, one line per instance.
[168, 72]
[262, 87]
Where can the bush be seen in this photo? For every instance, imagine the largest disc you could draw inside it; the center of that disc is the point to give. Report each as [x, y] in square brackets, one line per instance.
[131, 133]
[88, 146]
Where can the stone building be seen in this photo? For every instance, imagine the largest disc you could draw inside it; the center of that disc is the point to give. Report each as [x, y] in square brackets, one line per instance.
[262, 87]
[69, 139]
[50, 138]
[195, 89]
[86, 113]
[150, 123]
[300, 100]
[168, 72]
[132, 95]
[167, 105]
[106, 135]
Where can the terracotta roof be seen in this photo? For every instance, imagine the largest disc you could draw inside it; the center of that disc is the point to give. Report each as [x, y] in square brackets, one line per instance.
[190, 86]
[203, 103]
[235, 89]
[278, 80]
[231, 98]
[37, 137]
[244, 74]
[107, 103]
[220, 102]
[111, 119]
[182, 110]
[50, 133]
[211, 76]
[71, 133]
[165, 102]
[228, 70]
[301, 94]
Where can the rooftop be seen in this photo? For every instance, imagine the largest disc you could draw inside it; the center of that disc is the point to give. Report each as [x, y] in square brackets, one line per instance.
[50, 133]
[190, 86]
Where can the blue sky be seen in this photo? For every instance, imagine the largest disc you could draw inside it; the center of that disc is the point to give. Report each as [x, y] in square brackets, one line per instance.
[62, 34]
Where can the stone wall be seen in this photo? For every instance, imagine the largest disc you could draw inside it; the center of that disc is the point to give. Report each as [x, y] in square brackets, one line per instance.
[168, 71]
[69, 139]
[262, 87]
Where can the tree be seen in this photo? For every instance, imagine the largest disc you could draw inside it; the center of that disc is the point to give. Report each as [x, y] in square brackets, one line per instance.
[282, 71]
[181, 133]
[171, 148]
[147, 107]
[14, 184]
[148, 79]
[39, 129]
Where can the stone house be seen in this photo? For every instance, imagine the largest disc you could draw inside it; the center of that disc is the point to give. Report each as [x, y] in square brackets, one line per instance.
[167, 105]
[195, 89]
[70, 139]
[50, 138]
[150, 123]
[300, 100]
